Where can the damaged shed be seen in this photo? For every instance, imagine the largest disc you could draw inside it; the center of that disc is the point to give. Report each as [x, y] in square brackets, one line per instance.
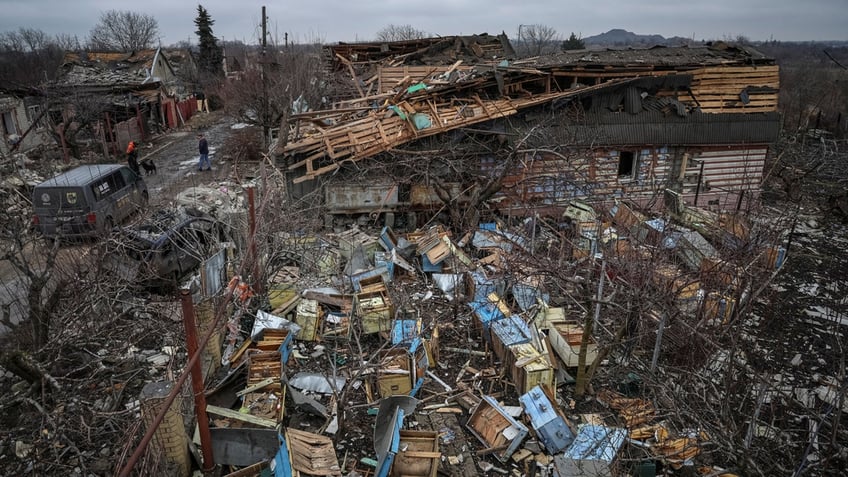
[616, 124]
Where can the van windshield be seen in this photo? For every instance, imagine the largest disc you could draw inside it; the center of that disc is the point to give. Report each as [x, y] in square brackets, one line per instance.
[59, 198]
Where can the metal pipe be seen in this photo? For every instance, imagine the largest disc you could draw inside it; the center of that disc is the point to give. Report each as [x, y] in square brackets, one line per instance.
[148, 436]
[698, 188]
[189, 322]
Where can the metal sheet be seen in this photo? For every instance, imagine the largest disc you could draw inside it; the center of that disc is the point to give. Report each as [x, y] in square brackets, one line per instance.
[243, 446]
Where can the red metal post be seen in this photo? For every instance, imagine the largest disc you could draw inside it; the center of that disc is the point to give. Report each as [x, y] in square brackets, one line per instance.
[140, 122]
[197, 381]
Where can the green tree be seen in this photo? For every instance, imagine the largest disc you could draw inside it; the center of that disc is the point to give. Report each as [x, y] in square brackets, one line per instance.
[573, 43]
[211, 57]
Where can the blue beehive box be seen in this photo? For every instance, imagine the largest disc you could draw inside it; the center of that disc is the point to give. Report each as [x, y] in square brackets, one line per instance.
[551, 427]
[511, 330]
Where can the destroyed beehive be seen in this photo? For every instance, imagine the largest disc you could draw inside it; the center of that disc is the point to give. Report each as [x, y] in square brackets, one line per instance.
[374, 309]
[418, 456]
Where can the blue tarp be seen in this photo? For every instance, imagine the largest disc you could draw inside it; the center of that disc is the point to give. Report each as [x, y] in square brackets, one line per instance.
[282, 463]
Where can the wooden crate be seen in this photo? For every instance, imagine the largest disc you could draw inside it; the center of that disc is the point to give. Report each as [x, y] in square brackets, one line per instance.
[419, 455]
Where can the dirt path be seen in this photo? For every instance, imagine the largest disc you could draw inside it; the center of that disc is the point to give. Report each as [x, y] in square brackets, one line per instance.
[175, 155]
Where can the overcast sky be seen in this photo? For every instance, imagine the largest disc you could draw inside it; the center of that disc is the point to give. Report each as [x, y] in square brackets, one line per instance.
[359, 20]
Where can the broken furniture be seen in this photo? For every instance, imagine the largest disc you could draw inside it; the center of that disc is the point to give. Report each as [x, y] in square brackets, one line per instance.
[496, 429]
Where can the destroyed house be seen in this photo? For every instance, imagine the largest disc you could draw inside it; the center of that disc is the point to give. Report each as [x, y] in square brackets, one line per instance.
[137, 92]
[22, 122]
[618, 124]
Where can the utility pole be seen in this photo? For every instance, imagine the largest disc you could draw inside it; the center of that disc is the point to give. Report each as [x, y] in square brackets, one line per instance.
[266, 131]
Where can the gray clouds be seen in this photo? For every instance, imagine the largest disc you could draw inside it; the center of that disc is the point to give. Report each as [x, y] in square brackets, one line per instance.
[344, 20]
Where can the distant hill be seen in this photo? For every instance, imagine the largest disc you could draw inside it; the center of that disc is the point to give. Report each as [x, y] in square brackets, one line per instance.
[619, 37]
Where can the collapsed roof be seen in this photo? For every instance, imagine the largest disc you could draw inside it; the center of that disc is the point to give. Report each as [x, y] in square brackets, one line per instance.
[415, 101]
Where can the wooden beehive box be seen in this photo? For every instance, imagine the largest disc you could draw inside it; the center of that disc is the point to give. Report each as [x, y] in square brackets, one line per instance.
[374, 308]
[490, 423]
[509, 331]
[395, 373]
[262, 365]
[529, 368]
[418, 456]
[310, 317]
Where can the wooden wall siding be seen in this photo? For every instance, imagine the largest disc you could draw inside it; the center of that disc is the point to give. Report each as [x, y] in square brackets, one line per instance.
[545, 180]
[719, 89]
[549, 181]
[727, 169]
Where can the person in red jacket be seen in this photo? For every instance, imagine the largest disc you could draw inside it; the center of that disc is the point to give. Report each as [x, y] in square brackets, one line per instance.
[132, 158]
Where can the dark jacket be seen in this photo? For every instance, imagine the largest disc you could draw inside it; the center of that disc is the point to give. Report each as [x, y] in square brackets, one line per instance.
[203, 146]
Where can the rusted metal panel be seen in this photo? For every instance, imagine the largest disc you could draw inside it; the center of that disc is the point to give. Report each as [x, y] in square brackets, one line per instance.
[354, 198]
[424, 195]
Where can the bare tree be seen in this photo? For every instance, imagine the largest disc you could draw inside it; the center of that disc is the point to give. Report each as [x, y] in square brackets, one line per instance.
[123, 31]
[537, 39]
[289, 83]
[28, 57]
[394, 32]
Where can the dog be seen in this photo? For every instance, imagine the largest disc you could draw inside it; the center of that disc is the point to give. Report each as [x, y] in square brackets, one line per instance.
[149, 167]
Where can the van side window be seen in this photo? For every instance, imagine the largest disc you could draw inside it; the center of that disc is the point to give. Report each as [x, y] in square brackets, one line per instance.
[108, 185]
[117, 180]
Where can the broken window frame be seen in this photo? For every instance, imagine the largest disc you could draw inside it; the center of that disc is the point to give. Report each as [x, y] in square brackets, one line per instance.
[10, 126]
[633, 171]
[33, 112]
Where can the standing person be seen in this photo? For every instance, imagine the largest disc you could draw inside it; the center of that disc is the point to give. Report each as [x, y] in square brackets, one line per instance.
[203, 147]
[132, 158]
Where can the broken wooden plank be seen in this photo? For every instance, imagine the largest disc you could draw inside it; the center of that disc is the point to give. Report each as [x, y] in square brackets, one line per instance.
[255, 387]
[229, 413]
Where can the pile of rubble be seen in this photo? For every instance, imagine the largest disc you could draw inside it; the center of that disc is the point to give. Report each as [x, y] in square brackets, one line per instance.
[425, 352]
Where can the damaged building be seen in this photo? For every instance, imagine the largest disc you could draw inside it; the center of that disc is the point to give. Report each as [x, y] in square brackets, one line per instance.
[439, 126]
[120, 96]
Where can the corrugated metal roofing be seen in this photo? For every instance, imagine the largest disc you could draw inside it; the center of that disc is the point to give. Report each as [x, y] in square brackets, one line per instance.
[656, 128]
